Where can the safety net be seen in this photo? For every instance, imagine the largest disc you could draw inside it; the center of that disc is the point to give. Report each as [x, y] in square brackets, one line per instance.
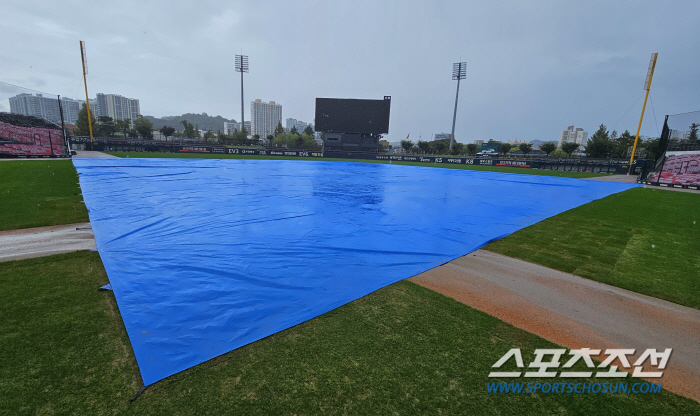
[207, 255]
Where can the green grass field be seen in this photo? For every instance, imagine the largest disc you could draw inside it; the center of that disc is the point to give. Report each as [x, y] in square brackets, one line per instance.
[401, 350]
[644, 240]
[35, 193]
[442, 165]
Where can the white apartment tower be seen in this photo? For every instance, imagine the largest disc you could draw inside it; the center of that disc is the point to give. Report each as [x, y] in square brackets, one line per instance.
[576, 136]
[118, 107]
[264, 117]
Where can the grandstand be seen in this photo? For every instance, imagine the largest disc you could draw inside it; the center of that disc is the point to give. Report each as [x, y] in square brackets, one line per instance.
[679, 164]
[29, 136]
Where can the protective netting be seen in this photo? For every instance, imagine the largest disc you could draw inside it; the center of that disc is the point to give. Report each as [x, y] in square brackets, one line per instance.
[680, 144]
[31, 123]
[206, 255]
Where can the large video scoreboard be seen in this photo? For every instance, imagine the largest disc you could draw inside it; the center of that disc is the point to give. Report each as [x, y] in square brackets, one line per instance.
[341, 115]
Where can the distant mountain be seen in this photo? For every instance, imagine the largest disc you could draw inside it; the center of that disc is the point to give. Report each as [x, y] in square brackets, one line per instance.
[204, 121]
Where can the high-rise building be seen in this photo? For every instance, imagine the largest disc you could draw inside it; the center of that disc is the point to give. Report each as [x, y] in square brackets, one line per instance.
[231, 127]
[117, 107]
[576, 136]
[264, 117]
[37, 106]
[70, 109]
[290, 122]
[47, 107]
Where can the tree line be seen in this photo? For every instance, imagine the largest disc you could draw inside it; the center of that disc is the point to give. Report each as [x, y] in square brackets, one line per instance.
[105, 126]
[441, 147]
[293, 139]
[602, 144]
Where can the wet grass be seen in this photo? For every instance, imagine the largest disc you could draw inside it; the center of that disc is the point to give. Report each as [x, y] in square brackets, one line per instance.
[521, 171]
[36, 193]
[401, 350]
[644, 240]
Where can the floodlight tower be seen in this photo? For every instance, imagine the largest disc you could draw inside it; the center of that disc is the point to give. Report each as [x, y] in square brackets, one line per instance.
[87, 99]
[242, 66]
[459, 72]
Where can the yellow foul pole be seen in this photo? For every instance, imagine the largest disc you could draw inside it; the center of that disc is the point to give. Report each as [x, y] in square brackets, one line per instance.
[87, 99]
[647, 86]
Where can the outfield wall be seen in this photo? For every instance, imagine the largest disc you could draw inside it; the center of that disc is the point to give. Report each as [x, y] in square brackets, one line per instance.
[616, 166]
[612, 166]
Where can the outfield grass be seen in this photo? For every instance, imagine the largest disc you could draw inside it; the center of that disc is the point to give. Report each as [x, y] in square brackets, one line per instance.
[35, 193]
[442, 165]
[644, 240]
[401, 350]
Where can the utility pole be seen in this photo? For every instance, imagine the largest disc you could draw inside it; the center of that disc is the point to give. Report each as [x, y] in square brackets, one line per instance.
[459, 72]
[87, 99]
[647, 86]
[242, 66]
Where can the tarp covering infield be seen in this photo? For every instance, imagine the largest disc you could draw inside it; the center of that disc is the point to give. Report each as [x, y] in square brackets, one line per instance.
[207, 255]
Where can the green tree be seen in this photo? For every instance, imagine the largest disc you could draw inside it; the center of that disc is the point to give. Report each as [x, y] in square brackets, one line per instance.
[209, 135]
[188, 129]
[471, 149]
[504, 148]
[123, 127]
[693, 135]
[243, 134]
[82, 128]
[106, 127]
[309, 142]
[280, 139]
[652, 148]
[599, 146]
[407, 145]
[167, 131]
[621, 144]
[457, 148]
[570, 147]
[279, 130]
[423, 146]
[256, 137]
[439, 146]
[309, 130]
[144, 127]
[294, 130]
[525, 148]
[548, 147]
[270, 138]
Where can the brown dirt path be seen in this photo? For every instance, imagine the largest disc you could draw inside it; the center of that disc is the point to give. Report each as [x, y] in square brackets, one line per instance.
[575, 312]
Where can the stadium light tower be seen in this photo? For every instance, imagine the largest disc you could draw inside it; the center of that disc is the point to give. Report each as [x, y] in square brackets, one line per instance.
[242, 66]
[459, 72]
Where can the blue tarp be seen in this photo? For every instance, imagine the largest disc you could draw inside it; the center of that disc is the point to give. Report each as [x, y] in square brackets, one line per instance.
[206, 255]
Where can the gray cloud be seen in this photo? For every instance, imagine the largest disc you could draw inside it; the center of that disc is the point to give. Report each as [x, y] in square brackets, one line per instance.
[533, 67]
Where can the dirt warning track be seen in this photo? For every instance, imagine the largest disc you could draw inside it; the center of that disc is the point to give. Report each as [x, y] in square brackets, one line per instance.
[575, 312]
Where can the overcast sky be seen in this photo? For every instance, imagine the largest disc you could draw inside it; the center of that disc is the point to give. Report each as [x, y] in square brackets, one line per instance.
[534, 67]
